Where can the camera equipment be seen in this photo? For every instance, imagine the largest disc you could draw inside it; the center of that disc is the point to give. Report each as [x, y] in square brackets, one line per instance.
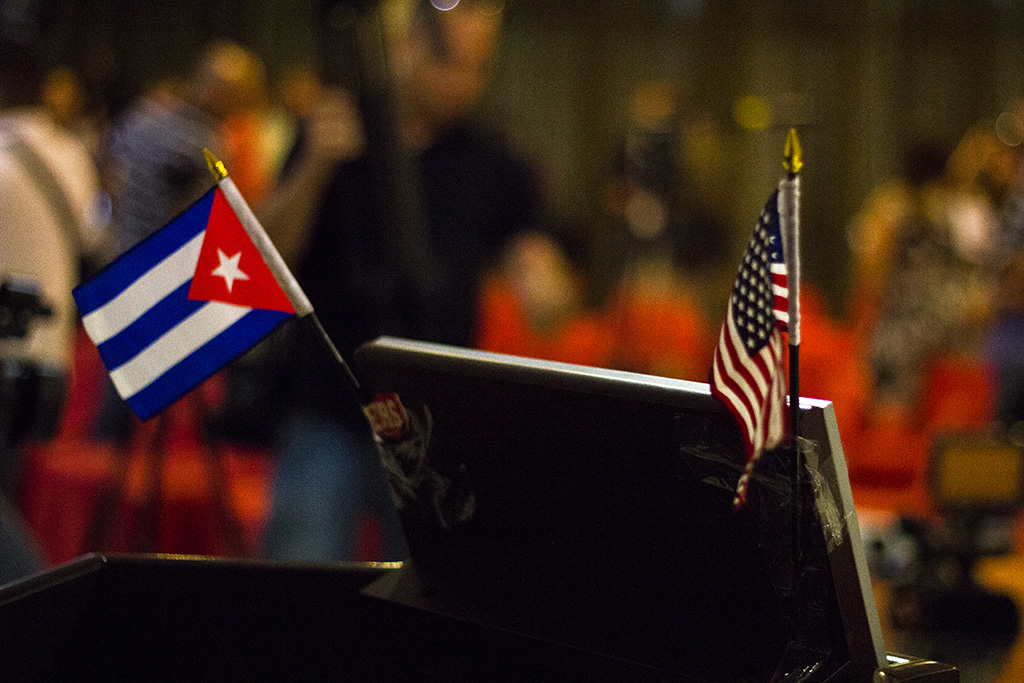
[20, 303]
[31, 395]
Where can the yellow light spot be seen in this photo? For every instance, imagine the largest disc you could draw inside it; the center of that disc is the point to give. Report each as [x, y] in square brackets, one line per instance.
[752, 112]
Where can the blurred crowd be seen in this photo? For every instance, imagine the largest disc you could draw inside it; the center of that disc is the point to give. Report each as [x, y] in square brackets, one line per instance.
[400, 215]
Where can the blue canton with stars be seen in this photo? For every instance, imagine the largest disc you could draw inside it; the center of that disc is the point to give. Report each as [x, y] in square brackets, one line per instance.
[752, 298]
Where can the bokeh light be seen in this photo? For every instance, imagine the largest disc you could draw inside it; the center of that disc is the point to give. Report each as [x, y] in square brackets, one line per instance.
[752, 112]
[1009, 129]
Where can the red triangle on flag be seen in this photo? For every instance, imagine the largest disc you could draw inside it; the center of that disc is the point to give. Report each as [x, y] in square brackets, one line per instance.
[231, 269]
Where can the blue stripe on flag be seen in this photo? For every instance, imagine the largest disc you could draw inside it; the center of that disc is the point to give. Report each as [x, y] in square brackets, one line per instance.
[131, 265]
[204, 361]
[148, 327]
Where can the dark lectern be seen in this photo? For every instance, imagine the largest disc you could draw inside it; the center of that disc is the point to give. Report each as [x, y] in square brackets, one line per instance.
[564, 523]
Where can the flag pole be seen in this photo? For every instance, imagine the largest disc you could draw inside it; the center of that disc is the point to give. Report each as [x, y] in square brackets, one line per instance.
[790, 218]
[284, 277]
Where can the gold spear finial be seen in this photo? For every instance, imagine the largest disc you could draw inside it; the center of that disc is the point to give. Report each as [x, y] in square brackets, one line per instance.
[215, 165]
[793, 159]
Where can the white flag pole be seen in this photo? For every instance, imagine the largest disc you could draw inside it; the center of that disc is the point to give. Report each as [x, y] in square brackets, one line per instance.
[789, 218]
[279, 269]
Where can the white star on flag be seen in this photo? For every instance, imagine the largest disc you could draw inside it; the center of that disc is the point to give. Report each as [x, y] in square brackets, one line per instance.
[228, 269]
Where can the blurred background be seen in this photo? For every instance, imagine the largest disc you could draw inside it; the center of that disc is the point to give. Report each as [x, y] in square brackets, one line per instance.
[859, 81]
[655, 129]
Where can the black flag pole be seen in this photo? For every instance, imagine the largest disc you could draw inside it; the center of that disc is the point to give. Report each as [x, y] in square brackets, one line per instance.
[790, 219]
[343, 368]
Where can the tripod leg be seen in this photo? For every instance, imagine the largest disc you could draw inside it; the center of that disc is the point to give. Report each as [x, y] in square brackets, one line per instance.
[213, 454]
[145, 529]
[101, 525]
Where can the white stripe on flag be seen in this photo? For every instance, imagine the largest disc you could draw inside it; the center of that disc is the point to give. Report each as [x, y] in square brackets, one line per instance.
[775, 397]
[734, 381]
[735, 401]
[748, 362]
[779, 290]
[159, 281]
[175, 344]
[757, 396]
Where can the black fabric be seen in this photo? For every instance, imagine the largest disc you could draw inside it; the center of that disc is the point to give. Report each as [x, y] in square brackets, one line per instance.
[475, 196]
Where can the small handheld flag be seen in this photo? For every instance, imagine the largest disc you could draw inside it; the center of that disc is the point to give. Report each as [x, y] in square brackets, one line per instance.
[746, 372]
[178, 306]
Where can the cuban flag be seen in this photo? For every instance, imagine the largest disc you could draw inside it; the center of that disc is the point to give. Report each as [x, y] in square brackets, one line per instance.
[175, 308]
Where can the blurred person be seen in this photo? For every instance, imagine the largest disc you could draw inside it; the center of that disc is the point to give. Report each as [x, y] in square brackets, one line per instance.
[243, 132]
[70, 106]
[658, 324]
[666, 242]
[154, 166]
[471, 194]
[156, 150]
[655, 182]
[298, 89]
[1004, 346]
[921, 280]
[49, 220]
[64, 98]
[533, 305]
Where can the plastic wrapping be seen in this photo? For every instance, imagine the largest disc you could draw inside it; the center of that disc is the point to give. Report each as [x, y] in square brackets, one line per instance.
[717, 467]
[799, 574]
[833, 524]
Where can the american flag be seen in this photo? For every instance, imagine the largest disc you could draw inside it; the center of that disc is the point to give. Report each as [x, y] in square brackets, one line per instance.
[747, 370]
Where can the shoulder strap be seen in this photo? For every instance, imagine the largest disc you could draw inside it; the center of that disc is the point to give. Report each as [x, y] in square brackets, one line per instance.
[47, 183]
